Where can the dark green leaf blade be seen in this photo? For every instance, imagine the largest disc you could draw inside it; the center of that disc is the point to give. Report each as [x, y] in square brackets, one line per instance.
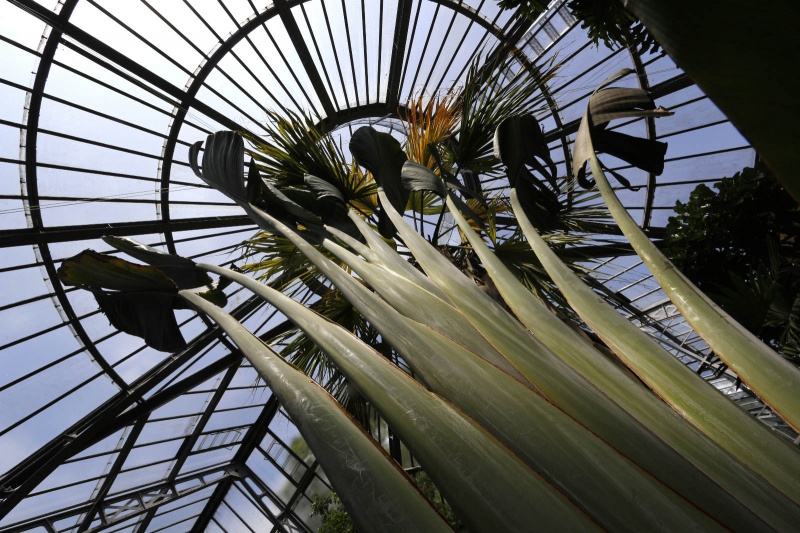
[182, 271]
[148, 315]
[416, 177]
[382, 155]
[90, 269]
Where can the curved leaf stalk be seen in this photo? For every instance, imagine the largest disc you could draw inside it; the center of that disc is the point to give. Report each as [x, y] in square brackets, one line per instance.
[421, 306]
[549, 373]
[576, 462]
[358, 468]
[733, 429]
[389, 257]
[728, 473]
[773, 378]
[489, 487]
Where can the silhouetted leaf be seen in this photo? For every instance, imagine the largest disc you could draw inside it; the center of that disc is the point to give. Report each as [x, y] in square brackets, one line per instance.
[148, 315]
[182, 271]
[93, 270]
[382, 155]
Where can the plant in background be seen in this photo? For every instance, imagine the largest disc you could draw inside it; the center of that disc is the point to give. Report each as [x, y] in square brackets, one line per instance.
[740, 245]
[516, 418]
[604, 20]
[333, 516]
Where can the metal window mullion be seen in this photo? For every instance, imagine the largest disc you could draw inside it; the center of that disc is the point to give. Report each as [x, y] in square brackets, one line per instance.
[405, 59]
[99, 172]
[397, 59]
[112, 475]
[380, 52]
[136, 34]
[251, 439]
[189, 442]
[319, 57]
[335, 53]
[411, 88]
[441, 49]
[457, 49]
[225, 74]
[350, 50]
[96, 426]
[237, 515]
[264, 61]
[254, 501]
[49, 404]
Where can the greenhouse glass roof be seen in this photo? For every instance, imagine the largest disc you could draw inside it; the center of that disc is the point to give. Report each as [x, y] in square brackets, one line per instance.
[101, 101]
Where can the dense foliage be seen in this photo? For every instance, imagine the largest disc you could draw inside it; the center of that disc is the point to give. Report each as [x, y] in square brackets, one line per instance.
[604, 20]
[740, 245]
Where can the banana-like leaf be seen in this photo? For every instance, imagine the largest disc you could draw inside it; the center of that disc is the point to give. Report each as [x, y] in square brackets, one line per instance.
[499, 403]
[288, 209]
[387, 256]
[416, 177]
[771, 376]
[507, 138]
[733, 429]
[740, 482]
[322, 188]
[487, 485]
[182, 271]
[332, 206]
[607, 104]
[223, 163]
[744, 62]
[361, 472]
[415, 302]
[149, 315]
[142, 302]
[92, 270]
[541, 202]
[382, 155]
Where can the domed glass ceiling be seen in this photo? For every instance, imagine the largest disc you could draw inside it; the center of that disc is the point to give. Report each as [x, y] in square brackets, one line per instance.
[101, 101]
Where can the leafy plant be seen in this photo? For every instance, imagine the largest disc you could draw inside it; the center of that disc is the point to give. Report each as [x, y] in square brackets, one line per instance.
[334, 517]
[605, 20]
[516, 418]
[740, 245]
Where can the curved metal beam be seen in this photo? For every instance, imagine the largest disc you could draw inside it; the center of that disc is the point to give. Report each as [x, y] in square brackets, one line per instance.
[29, 179]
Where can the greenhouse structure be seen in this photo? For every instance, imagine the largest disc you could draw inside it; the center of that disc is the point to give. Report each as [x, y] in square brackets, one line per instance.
[117, 417]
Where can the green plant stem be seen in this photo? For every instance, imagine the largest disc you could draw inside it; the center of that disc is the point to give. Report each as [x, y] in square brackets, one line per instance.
[358, 468]
[751, 490]
[712, 413]
[769, 375]
[498, 403]
[487, 485]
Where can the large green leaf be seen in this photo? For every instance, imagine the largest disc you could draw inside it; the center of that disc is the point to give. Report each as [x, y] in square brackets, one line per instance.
[223, 163]
[90, 269]
[382, 155]
[149, 315]
[771, 376]
[140, 299]
[487, 485]
[182, 271]
[358, 468]
[745, 62]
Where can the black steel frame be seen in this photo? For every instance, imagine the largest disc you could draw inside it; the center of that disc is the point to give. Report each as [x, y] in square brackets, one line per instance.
[133, 405]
